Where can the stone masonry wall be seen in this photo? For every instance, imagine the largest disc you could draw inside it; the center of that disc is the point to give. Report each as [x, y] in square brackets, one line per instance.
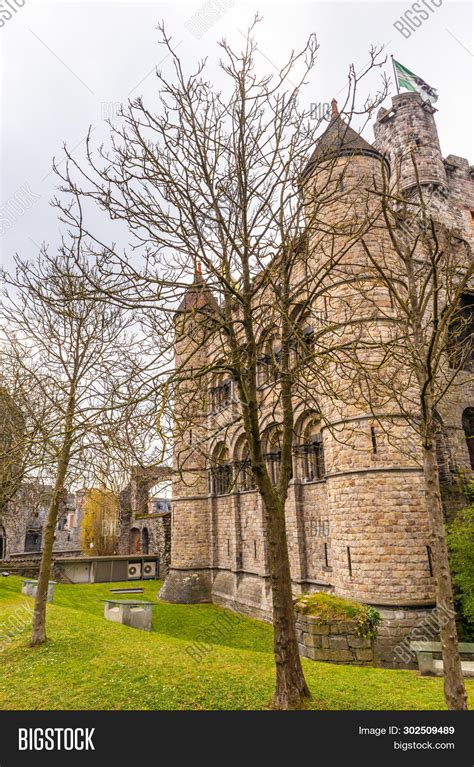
[333, 641]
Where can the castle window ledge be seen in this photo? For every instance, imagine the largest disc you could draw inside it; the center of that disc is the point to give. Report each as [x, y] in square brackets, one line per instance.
[388, 115]
[428, 107]
[314, 481]
[245, 492]
[310, 582]
[327, 569]
[154, 515]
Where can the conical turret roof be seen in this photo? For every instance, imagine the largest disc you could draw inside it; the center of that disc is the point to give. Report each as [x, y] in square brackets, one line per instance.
[339, 139]
[198, 295]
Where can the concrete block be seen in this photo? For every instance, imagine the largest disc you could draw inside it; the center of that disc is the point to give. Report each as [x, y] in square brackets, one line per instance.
[137, 615]
[29, 587]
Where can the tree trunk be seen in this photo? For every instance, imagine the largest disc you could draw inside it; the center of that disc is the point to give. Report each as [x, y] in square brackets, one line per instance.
[291, 690]
[454, 690]
[39, 616]
[38, 635]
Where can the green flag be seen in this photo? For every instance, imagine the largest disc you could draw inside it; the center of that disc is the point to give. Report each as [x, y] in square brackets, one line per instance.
[412, 82]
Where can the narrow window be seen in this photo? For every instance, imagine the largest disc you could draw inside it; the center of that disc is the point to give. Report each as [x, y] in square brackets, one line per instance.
[430, 560]
[228, 547]
[190, 436]
[460, 346]
[326, 560]
[349, 561]
[374, 439]
[255, 549]
[273, 461]
[468, 427]
[313, 455]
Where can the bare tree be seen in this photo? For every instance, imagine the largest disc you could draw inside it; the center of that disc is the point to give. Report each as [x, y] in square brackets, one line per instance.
[213, 188]
[12, 430]
[76, 360]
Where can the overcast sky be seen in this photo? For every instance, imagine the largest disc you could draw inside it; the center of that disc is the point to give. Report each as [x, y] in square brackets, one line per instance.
[68, 65]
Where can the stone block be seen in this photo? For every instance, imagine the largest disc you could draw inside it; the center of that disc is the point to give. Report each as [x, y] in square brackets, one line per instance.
[364, 654]
[318, 628]
[341, 627]
[136, 615]
[313, 640]
[355, 641]
[338, 643]
[316, 654]
[340, 656]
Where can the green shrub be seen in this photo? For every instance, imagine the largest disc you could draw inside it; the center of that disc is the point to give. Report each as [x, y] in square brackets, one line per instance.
[461, 546]
[327, 607]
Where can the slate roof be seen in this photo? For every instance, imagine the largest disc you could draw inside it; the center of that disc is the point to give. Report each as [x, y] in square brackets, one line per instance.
[197, 296]
[339, 139]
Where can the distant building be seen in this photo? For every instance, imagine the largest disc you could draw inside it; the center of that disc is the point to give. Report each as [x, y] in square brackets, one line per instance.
[22, 521]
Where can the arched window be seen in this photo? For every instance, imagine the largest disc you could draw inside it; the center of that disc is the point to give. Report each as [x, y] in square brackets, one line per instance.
[446, 466]
[244, 476]
[134, 540]
[34, 532]
[311, 450]
[145, 541]
[468, 426]
[461, 335]
[220, 474]
[220, 394]
[33, 540]
[303, 332]
[272, 454]
[268, 363]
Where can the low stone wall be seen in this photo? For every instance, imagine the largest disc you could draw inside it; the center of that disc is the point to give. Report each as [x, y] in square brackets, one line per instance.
[334, 641]
[398, 628]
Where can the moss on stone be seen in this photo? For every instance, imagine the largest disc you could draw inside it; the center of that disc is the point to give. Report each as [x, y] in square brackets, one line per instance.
[327, 607]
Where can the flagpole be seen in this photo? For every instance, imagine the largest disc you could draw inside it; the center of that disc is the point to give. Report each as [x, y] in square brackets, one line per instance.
[395, 75]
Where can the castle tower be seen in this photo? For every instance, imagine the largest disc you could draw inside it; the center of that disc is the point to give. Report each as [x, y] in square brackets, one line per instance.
[379, 527]
[189, 579]
[406, 132]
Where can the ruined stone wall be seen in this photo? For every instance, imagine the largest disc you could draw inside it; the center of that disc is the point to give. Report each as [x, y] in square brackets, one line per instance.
[26, 513]
[157, 528]
[139, 530]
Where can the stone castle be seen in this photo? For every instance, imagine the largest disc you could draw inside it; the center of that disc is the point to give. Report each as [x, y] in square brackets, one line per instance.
[357, 523]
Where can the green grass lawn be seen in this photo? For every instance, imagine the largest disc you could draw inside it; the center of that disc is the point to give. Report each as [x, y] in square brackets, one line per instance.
[90, 663]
